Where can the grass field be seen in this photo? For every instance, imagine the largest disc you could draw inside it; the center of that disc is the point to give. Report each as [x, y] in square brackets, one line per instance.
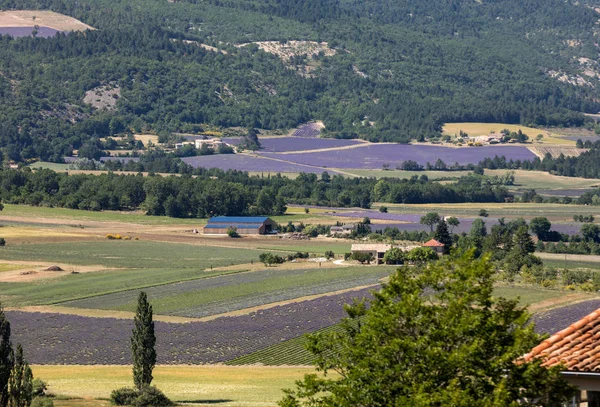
[508, 210]
[50, 166]
[544, 180]
[33, 212]
[407, 174]
[227, 386]
[139, 264]
[483, 129]
[219, 295]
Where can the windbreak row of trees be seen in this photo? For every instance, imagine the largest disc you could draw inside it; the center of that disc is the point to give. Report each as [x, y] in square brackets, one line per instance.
[228, 193]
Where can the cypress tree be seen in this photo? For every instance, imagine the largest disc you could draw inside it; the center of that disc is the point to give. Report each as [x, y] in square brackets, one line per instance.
[6, 359]
[443, 236]
[142, 343]
[20, 385]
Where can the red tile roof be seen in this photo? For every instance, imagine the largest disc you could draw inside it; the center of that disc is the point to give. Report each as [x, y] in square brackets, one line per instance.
[577, 346]
[433, 243]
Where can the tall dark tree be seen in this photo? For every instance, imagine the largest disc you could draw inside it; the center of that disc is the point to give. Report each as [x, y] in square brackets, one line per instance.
[6, 358]
[143, 341]
[20, 385]
[442, 235]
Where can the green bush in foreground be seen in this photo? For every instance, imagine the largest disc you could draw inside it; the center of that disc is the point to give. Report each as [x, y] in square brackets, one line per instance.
[146, 397]
[42, 402]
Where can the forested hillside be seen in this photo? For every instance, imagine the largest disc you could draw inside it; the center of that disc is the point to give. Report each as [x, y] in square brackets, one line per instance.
[390, 71]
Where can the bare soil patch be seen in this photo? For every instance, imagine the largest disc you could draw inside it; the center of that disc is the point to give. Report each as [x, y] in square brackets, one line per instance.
[30, 18]
[559, 302]
[33, 271]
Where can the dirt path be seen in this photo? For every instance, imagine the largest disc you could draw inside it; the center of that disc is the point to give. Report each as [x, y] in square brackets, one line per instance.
[570, 257]
[559, 302]
[33, 271]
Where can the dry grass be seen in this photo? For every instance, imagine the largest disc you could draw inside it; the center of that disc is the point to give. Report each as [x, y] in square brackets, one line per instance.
[30, 18]
[146, 138]
[483, 129]
[226, 386]
[545, 180]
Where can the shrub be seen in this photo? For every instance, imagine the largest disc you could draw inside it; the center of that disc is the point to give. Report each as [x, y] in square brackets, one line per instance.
[151, 396]
[347, 256]
[42, 402]
[147, 397]
[483, 213]
[2, 241]
[232, 232]
[329, 254]
[124, 396]
[39, 387]
[110, 237]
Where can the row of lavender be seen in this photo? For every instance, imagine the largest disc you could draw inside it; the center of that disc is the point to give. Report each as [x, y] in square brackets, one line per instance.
[69, 339]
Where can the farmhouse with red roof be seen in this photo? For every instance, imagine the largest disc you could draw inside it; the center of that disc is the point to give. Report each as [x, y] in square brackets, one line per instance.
[436, 246]
[577, 348]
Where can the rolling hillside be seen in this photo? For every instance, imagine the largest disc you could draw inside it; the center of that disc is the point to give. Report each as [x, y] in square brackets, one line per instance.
[377, 70]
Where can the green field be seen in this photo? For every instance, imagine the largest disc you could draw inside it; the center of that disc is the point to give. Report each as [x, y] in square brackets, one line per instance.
[218, 295]
[49, 166]
[138, 217]
[138, 264]
[498, 210]
[310, 246]
[544, 180]
[407, 174]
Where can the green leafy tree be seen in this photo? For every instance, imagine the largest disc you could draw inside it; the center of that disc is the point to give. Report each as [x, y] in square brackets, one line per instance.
[143, 341]
[362, 258]
[6, 357]
[394, 256]
[431, 219]
[420, 255]
[540, 226]
[433, 336]
[20, 385]
[453, 222]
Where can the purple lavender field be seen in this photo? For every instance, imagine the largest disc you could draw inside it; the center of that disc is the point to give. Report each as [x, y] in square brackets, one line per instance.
[558, 319]
[70, 339]
[244, 162]
[18, 32]
[376, 155]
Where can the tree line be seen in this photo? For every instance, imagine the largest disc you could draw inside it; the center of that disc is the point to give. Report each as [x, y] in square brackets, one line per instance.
[215, 192]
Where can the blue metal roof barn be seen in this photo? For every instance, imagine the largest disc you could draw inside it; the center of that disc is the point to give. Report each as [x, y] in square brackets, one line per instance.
[245, 225]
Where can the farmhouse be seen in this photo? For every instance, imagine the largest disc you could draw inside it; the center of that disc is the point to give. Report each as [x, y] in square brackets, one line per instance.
[245, 225]
[341, 230]
[377, 251]
[436, 246]
[576, 348]
[213, 143]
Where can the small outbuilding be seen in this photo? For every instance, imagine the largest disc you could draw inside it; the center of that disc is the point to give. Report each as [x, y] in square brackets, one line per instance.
[244, 225]
[436, 246]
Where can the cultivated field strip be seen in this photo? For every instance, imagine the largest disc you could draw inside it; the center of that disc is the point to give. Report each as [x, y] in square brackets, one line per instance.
[556, 320]
[70, 339]
[222, 294]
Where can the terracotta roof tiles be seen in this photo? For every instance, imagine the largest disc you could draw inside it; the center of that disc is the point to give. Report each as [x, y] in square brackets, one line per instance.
[577, 346]
[433, 243]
